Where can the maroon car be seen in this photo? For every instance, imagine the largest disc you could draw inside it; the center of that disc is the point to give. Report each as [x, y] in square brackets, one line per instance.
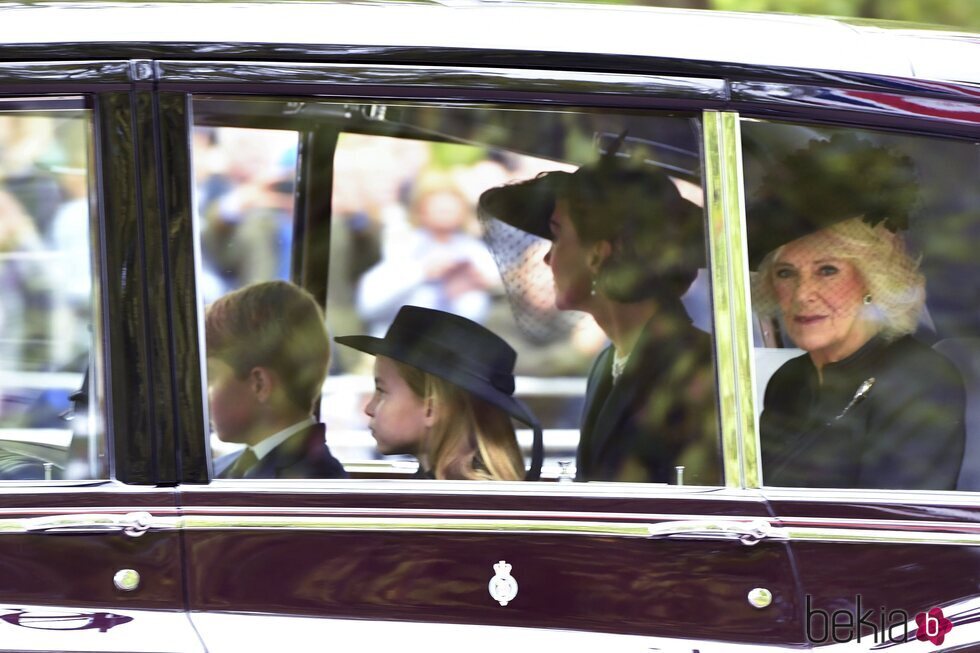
[154, 158]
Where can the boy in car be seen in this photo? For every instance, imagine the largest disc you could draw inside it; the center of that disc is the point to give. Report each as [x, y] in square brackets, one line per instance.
[268, 353]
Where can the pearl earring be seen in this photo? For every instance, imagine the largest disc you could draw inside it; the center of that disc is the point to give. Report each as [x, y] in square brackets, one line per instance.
[592, 292]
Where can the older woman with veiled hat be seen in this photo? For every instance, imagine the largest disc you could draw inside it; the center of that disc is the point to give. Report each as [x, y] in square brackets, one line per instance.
[625, 246]
[868, 405]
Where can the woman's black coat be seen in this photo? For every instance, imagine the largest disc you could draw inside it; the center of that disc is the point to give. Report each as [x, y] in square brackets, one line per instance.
[904, 431]
[661, 413]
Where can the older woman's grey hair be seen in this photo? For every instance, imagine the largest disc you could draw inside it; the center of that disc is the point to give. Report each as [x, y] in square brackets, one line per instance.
[896, 287]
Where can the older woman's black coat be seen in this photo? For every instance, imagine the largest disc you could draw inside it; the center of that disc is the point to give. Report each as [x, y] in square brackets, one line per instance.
[905, 432]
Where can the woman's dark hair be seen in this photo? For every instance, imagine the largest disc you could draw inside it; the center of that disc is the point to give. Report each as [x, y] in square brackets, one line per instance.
[657, 236]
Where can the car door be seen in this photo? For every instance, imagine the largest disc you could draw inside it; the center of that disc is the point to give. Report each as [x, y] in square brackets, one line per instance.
[886, 564]
[381, 558]
[89, 547]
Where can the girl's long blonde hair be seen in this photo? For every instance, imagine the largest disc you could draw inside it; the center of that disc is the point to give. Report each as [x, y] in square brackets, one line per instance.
[472, 439]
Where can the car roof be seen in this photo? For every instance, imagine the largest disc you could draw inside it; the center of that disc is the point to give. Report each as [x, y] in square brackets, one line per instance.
[772, 40]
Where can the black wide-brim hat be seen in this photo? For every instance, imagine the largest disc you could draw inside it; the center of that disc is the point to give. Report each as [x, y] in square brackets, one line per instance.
[527, 205]
[828, 182]
[460, 351]
[611, 199]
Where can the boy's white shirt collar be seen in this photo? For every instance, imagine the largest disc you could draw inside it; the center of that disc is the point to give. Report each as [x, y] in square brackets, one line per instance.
[262, 449]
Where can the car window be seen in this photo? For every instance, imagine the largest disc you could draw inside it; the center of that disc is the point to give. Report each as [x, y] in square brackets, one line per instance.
[244, 180]
[862, 246]
[399, 186]
[48, 330]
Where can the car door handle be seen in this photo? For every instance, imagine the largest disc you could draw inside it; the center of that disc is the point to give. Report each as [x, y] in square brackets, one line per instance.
[748, 533]
[133, 524]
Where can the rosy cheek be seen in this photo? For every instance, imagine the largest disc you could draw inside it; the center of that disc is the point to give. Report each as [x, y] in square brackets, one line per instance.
[784, 294]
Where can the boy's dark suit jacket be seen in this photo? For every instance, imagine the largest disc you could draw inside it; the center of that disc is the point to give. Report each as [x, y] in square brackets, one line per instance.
[302, 455]
[662, 412]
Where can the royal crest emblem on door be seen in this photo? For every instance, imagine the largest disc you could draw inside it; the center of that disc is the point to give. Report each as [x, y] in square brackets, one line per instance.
[503, 586]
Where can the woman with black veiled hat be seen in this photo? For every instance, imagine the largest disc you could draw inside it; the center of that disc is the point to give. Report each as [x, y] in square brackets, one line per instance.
[444, 390]
[625, 246]
[867, 405]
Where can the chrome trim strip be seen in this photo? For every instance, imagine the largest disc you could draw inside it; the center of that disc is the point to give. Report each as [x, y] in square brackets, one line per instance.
[510, 79]
[420, 487]
[867, 536]
[133, 524]
[868, 497]
[740, 528]
[75, 515]
[880, 524]
[692, 528]
[407, 524]
[683, 528]
[403, 513]
[859, 99]
[106, 523]
[731, 308]
[54, 511]
[64, 71]
[596, 489]
[59, 489]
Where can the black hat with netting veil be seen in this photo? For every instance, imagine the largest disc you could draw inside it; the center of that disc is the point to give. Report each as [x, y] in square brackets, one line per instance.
[460, 351]
[657, 234]
[518, 243]
[828, 182]
[527, 204]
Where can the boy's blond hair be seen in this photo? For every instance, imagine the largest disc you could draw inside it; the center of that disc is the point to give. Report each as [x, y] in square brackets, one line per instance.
[276, 325]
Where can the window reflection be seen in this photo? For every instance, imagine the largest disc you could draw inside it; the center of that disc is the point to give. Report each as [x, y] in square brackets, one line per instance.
[867, 356]
[404, 181]
[46, 326]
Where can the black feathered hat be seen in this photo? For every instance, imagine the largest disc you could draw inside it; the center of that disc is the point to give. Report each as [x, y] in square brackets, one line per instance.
[827, 182]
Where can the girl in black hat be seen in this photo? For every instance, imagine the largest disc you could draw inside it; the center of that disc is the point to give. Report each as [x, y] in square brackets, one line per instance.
[444, 393]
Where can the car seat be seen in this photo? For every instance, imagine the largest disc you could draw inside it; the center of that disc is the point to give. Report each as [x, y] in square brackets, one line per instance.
[965, 354]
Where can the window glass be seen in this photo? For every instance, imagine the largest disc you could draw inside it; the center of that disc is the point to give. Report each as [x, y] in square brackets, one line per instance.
[865, 289]
[47, 325]
[244, 181]
[560, 232]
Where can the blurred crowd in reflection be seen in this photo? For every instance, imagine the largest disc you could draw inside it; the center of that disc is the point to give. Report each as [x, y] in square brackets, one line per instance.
[44, 260]
[404, 231]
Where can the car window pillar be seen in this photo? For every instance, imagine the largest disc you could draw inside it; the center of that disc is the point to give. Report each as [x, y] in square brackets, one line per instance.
[731, 305]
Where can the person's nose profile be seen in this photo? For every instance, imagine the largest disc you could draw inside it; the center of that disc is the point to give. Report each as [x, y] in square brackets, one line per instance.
[370, 406]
